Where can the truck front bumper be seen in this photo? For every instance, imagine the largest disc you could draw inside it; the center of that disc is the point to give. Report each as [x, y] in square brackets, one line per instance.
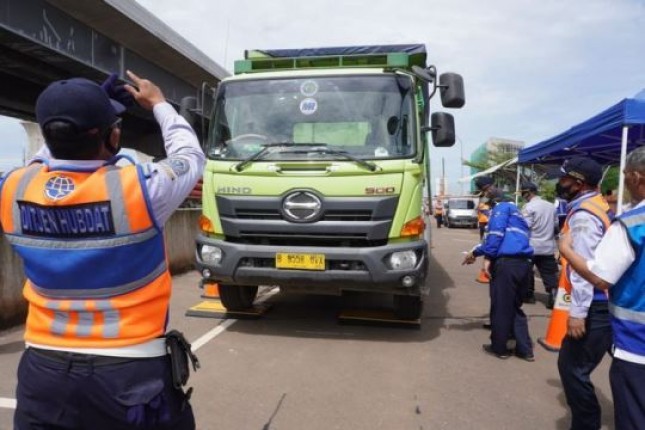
[346, 269]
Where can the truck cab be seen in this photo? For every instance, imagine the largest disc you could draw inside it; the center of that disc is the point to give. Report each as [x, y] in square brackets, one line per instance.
[317, 161]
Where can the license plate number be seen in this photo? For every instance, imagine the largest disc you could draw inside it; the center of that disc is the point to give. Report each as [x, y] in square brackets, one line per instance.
[285, 260]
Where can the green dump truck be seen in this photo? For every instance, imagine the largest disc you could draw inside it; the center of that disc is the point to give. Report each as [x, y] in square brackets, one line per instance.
[317, 159]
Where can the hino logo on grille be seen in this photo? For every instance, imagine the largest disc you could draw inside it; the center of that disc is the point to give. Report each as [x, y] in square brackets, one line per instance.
[234, 190]
[302, 206]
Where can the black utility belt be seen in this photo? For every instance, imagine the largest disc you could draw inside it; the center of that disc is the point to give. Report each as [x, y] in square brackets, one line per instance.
[67, 357]
[514, 258]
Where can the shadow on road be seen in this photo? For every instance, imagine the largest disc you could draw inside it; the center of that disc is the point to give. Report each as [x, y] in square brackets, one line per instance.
[312, 316]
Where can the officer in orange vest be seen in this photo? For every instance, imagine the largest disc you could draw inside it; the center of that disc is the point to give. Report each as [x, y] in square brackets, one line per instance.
[483, 213]
[90, 234]
[589, 334]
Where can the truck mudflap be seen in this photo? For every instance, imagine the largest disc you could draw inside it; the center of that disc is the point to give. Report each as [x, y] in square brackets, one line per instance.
[345, 269]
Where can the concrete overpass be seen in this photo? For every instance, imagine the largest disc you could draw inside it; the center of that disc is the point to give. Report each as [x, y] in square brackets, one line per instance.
[46, 40]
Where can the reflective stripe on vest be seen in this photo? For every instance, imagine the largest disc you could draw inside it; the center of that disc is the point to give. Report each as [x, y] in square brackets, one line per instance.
[598, 207]
[627, 296]
[95, 260]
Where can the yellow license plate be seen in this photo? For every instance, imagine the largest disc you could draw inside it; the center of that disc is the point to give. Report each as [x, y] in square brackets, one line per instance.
[285, 260]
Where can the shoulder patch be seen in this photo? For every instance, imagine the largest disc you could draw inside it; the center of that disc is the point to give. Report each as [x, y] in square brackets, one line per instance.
[175, 167]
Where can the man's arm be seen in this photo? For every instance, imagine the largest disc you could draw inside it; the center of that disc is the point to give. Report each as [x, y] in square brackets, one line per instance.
[579, 264]
[586, 233]
[613, 256]
[529, 215]
[169, 181]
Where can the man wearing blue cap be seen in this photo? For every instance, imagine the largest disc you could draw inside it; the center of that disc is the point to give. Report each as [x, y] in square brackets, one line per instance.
[507, 254]
[90, 234]
[619, 266]
[588, 328]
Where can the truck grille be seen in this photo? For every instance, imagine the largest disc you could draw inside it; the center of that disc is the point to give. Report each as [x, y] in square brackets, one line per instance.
[345, 221]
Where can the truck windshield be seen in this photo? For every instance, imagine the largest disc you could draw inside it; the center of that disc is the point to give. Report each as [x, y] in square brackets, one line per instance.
[364, 117]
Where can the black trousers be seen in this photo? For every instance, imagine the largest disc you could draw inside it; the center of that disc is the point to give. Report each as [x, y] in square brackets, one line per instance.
[509, 279]
[628, 389]
[81, 393]
[577, 359]
[548, 268]
[439, 219]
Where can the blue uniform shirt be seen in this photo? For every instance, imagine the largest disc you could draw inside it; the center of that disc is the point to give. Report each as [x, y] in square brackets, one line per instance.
[507, 234]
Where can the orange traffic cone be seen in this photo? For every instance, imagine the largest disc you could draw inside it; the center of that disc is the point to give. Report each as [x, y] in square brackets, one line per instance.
[558, 323]
[211, 291]
[482, 277]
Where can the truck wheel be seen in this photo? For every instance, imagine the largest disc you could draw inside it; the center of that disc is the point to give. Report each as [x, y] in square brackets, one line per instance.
[237, 297]
[407, 307]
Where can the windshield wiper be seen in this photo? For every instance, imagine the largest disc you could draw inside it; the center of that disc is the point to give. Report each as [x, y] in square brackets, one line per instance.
[326, 150]
[261, 153]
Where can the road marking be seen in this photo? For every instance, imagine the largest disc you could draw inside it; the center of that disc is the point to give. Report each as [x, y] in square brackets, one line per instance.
[7, 403]
[213, 333]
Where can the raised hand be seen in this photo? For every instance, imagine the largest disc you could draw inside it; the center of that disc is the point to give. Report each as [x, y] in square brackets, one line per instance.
[145, 92]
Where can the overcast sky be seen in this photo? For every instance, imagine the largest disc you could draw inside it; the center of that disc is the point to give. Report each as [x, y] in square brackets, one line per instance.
[531, 68]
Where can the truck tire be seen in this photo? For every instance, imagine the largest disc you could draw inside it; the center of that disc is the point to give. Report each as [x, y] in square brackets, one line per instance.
[407, 307]
[237, 297]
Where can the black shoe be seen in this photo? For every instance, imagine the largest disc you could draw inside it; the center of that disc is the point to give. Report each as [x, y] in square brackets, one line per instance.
[487, 326]
[488, 348]
[526, 357]
[529, 299]
[550, 300]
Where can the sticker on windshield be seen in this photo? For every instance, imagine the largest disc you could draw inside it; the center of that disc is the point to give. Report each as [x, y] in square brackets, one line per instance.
[308, 106]
[309, 88]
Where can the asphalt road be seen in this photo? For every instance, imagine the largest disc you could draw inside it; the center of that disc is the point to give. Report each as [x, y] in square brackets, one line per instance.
[297, 368]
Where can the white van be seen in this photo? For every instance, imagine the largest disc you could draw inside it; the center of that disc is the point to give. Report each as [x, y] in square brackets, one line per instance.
[461, 211]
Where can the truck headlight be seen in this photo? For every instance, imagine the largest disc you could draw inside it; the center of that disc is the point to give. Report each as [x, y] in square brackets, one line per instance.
[211, 254]
[402, 260]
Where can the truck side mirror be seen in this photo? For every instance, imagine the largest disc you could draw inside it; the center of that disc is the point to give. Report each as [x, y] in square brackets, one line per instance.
[451, 86]
[443, 129]
[188, 109]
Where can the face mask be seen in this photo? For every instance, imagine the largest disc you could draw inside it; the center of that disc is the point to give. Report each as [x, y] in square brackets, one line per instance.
[566, 193]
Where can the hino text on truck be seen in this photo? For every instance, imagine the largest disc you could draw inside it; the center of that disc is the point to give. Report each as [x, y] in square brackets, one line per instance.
[317, 159]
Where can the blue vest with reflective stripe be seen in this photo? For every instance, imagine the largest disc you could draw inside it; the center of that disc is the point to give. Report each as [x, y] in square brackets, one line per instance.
[627, 296]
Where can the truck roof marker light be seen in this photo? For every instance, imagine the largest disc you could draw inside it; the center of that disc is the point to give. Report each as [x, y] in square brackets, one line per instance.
[262, 64]
[414, 227]
[205, 224]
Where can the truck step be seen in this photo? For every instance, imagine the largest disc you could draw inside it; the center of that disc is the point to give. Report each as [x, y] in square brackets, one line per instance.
[376, 317]
[215, 309]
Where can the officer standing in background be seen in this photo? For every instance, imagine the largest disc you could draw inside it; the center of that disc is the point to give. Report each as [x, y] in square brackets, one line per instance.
[588, 328]
[483, 214]
[90, 234]
[507, 256]
[619, 266]
[438, 211]
[542, 220]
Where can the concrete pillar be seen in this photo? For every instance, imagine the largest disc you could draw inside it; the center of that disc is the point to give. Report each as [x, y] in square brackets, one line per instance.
[35, 138]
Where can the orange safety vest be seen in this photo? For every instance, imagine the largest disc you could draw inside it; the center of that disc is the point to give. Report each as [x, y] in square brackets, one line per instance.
[483, 211]
[94, 258]
[596, 206]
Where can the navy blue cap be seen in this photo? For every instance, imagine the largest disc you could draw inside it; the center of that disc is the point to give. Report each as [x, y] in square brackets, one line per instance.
[529, 186]
[78, 101]
[483, 181]
[582, 168]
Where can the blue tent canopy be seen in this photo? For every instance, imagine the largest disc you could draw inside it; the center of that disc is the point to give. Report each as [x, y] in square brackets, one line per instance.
[599, 137]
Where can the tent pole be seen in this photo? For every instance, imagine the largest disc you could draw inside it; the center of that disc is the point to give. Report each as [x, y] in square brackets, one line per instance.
[621, 174]
[517, 184]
